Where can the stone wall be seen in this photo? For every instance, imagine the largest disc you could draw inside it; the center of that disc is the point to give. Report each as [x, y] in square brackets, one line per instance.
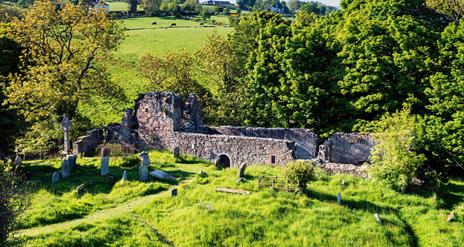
[347, 148]
[240, 149]
[306, 142]
[86, 145]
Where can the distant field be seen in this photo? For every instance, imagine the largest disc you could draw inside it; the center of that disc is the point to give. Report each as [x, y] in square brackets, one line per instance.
[120, 6]
[144, 38]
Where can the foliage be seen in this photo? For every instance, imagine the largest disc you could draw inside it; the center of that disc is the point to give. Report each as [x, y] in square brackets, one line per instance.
[13, 199]
[8, 12]
[130, 161]
[299, 173]
[61, 63]
[394, 159]
[9, 120]
[452, 8]
[174, 72]
[317, 8]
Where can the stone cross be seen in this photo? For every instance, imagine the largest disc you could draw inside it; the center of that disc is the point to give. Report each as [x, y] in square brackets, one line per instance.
[339, 198]
[18, 160]
[66, 127]
[55, 177]
[65, 171]
[105, 162]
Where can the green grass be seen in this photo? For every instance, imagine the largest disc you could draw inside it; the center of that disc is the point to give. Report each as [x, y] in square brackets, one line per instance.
[199, 216]
[142, 38]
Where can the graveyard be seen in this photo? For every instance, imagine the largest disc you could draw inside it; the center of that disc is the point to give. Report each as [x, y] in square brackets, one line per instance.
[113, 212]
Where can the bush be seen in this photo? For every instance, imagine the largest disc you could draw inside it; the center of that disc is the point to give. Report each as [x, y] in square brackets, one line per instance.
[298, 174]
[394, 161]
[13, 200]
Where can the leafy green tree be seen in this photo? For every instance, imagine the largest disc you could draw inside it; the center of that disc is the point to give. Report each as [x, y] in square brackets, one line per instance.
[61, 63]
[9, 120]
[452, 8]
[445, 121]
[151, 7]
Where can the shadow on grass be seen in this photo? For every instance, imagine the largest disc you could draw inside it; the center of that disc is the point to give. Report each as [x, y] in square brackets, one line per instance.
[368, 207]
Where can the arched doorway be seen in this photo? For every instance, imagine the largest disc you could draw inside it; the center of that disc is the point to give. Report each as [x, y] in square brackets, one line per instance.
[222, 161]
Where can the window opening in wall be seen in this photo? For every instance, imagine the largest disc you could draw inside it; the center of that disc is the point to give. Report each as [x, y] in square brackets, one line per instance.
[273, 159]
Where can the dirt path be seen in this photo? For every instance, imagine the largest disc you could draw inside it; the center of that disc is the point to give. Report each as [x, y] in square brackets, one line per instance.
[124, 208]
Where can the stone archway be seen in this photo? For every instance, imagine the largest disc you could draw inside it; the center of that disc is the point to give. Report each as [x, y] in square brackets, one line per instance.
[223, 161]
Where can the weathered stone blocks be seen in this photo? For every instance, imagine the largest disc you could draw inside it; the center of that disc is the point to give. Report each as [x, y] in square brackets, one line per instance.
[347, 148]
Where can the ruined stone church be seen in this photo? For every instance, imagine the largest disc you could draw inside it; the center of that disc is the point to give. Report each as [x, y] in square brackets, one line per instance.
[162, 121]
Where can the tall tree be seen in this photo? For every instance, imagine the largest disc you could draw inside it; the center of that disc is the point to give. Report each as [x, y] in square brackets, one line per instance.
[61, 64]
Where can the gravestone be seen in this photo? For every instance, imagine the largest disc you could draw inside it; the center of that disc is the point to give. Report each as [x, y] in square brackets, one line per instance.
[377, 218]
[162, 175]
[241, 171]
[18, 160]
[71, 161]
[65, 170]
[176, 152]
[339, 198]
[124, 176]
[105, 162]
[66, 127]
[451, 217]
[55, 177]
[80, 189]
[143, 170]
[174, 192]
[143, 173]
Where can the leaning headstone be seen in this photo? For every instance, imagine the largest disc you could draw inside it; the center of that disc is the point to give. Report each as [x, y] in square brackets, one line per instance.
[65, 170]
[55, 177]
[71, 161]
[105, 162]
[241, 172]
[451, 217]
[176, 152]
[80, 189]
[124, 176]
[174, 192]
[339, 198]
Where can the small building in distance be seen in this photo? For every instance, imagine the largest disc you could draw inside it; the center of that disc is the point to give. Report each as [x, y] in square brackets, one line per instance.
[221, 3]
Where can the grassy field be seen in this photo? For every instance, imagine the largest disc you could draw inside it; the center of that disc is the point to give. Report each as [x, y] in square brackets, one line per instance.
[140, 214]
[141, 38]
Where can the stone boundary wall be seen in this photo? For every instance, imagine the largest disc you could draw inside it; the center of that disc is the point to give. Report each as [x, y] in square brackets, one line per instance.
[306, 142]
[240, 149]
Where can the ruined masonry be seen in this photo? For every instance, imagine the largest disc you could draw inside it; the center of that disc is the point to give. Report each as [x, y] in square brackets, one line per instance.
[160, 120]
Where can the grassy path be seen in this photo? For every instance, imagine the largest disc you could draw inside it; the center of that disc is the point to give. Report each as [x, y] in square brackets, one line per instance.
[100, 215]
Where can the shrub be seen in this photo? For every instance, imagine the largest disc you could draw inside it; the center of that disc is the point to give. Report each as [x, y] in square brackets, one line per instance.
[13, 200]
[394, 161]
[298, 174]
